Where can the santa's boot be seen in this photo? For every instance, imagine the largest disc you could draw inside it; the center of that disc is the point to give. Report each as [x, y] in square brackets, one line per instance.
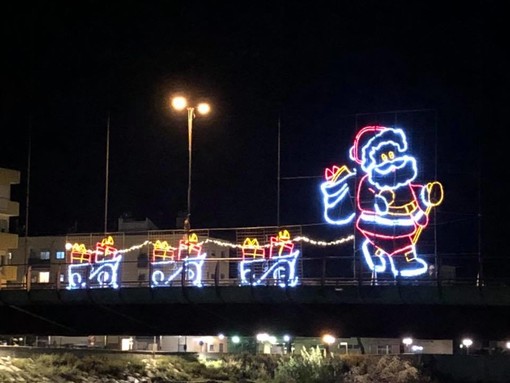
[374, 257]
[412, 265]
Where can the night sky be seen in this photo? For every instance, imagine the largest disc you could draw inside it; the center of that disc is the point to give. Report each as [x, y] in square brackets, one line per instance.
[319, 70]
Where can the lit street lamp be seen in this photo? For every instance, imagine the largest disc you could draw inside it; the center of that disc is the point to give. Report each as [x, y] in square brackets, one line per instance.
[328, 340]
[408, 341]
[467, 342]
[180, 103]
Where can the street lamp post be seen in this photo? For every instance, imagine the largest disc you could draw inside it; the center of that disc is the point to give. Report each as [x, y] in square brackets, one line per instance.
[180, 103]
[328, 340]
[467, 342]
[408, 341]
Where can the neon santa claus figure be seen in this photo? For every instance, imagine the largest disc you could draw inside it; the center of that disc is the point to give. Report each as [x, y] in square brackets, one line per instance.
[391, 209]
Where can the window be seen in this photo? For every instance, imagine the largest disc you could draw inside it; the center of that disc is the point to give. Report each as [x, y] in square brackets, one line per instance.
[44, 277]
[62, 277]
[44, 254]
[60, 255]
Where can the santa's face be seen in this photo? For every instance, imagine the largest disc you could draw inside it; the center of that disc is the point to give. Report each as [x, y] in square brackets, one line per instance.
[388, 168]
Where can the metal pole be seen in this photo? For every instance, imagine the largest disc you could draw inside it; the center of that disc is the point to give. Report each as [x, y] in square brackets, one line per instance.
[187, 222]
[107, 173]
[27, 199]
[278, 179]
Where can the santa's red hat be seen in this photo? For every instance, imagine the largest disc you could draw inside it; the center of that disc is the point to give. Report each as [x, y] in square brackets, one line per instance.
[363, 136]
[373, 136]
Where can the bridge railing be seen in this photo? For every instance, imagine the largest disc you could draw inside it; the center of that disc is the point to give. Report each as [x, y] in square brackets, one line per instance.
[331, 270]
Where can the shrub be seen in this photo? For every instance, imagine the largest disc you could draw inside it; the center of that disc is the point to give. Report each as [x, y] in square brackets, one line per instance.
[385, 369]
[309, 367]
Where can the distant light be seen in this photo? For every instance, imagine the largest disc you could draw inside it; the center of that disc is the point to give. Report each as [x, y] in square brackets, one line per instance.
[508, 345]
[203, 108]
[69, 246]
[221, 336]
[236, 339]
[328, 339]
[179, 103]
[407, 341]
[415, 348]
[467, 342]
[286, 338]
[263, 337]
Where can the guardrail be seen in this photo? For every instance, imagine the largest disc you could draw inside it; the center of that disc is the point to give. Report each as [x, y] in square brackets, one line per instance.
[217, 272]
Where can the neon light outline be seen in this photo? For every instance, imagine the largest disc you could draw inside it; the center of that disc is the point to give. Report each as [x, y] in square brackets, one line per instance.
[164, 278]
[281, 268]
[389, 229]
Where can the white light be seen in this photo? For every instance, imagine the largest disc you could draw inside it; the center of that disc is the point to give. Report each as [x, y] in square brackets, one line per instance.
[328, 339]
[179, 103]
[69, 246]
[508, 345]
[262, 337]
[203, 108]
[221, 336]
[286, 338]
[467, 342]
[416, 348]
[236, 339]
[407, 341]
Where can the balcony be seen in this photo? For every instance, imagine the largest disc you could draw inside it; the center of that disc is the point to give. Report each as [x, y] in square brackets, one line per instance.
[8, 241]
[9, 208]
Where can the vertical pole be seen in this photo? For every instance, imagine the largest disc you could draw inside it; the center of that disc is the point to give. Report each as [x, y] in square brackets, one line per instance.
[187, 222]
[278, 178]
[437, 262]
[27, 200]
[107, 175]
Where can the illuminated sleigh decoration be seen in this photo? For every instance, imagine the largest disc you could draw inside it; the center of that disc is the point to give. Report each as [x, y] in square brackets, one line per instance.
[278, 268]
[98, 269]
[186, 266]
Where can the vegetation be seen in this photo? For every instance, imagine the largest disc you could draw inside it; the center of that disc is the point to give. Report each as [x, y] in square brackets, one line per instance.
[311, 366]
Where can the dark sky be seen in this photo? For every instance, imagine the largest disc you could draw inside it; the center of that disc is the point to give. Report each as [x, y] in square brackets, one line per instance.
[320, 68]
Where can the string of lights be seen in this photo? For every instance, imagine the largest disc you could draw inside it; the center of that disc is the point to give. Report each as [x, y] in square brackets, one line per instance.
[308, 240]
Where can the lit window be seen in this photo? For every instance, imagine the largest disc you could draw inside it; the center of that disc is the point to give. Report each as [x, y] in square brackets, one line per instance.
[44, 277]
[45, 254]
[62, 277]
[60, 255]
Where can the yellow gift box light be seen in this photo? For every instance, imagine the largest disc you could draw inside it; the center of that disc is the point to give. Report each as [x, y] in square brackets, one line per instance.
[80, 254]
[162, 251]
[251, 248]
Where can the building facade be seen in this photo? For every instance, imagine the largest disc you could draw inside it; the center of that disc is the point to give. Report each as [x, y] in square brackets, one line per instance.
[8, 210]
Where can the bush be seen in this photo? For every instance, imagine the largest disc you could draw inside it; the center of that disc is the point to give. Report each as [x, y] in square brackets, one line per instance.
[385, 369]
[310, 367]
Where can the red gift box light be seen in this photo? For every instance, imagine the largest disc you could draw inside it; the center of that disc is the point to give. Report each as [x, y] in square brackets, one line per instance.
[189, 247]
[105, 250]
[281, 245]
